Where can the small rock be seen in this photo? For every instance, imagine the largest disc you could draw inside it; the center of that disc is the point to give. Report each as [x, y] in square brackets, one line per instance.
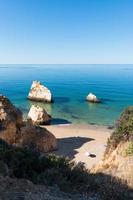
[92, 98]
[39, 116]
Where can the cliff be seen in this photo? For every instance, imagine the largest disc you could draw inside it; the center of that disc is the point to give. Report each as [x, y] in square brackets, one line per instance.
[118, 157]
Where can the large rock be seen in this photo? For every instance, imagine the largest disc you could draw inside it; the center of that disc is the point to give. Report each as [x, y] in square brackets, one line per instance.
[16, 132]
[37, 138]
[11, 121]
[92, 98]
[38, 92]
[39, 116]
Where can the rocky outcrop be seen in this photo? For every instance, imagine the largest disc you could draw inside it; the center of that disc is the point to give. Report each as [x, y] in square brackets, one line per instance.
[38, 92]
[15, 131]
[11, 121]
[117, 164]
[37, 138]
[39, 116]
[118, 158]
[92, 98]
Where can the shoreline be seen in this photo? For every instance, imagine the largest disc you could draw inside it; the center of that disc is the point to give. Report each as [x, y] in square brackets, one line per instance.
[77, 141]
[83, 125]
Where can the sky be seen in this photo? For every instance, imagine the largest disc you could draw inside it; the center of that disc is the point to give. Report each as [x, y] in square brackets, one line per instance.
[66, 31]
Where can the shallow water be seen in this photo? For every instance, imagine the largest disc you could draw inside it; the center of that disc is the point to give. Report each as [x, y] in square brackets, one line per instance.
[70, 84]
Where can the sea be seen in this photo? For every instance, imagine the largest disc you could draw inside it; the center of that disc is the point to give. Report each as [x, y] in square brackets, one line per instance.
[70, 84]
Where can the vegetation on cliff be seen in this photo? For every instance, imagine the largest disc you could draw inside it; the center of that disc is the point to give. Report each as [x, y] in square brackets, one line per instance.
[129, 150]
[49, 169]
[57, 171]
[123, 131]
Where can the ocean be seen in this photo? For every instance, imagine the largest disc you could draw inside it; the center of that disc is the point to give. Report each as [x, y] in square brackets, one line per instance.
[70, 84]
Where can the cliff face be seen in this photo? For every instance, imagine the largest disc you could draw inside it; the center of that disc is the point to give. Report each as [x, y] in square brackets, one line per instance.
[11, 121]
[16, 132]
[118, 158]
[117, 164]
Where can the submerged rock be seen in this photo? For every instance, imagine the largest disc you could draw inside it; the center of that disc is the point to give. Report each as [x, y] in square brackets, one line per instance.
[38, 92]
[39, 116]
[16, 132]
[92, 98]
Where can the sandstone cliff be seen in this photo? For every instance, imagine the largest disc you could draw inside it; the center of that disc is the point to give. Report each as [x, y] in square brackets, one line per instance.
[15, 131]
[118, 158]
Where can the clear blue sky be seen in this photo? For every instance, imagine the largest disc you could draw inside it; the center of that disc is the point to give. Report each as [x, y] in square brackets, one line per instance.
[66, 31]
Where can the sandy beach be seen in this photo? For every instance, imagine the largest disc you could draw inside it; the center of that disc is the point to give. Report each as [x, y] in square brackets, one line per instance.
[76, 141]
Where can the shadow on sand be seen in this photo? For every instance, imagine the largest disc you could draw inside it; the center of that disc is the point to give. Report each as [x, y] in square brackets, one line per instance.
[67, 146]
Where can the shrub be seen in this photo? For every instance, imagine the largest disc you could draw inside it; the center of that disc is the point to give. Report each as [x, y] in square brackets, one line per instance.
[55, 170]
[50, 169]
[124, 129]
[129, 150]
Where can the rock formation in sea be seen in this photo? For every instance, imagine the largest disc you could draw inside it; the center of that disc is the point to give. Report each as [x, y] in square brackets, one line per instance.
[39, 92]
[39, 116]
[92, 98]
[15, 131]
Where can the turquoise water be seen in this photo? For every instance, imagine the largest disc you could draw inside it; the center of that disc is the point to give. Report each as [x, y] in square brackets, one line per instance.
[70, 84]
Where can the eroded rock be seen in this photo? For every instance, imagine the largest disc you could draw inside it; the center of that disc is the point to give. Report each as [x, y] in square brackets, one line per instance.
[16, 132]
[92, 98]
[39, 92]
[39, 116]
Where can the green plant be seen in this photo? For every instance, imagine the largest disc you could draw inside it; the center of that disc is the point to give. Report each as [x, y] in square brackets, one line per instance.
[56, 170]
[129, 150]
[123, 131]
[50, 169]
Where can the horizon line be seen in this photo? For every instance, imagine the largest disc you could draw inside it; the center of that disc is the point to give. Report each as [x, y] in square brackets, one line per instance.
[66, 63]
